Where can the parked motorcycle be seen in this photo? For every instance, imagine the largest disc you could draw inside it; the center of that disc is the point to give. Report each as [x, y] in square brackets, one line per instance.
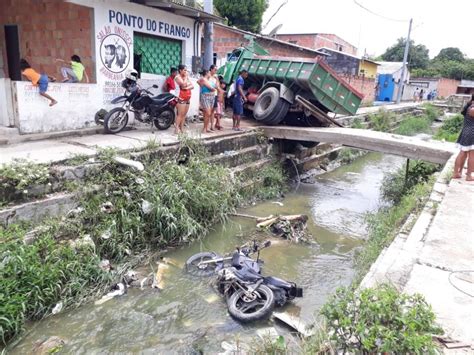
[153, 110]
[250, 295]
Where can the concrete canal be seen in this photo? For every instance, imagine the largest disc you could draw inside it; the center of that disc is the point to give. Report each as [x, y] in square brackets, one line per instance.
[189, 314]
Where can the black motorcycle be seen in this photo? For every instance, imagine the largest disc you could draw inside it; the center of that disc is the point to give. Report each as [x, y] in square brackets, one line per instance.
[250, 296]
[153, 110]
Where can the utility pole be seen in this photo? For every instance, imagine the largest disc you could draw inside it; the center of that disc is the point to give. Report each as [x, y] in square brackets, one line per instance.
[208, 36]
[405, 57]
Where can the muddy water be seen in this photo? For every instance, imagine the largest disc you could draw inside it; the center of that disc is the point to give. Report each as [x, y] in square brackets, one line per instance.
[188, 314]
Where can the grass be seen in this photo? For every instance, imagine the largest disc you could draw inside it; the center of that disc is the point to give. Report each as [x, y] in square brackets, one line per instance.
[381, 121]
[450, 129]
[170, 203]
[385, 224]
[431, 112]
[414, 125]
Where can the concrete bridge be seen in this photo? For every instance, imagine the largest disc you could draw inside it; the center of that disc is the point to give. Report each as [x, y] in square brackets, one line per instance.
[409, 147]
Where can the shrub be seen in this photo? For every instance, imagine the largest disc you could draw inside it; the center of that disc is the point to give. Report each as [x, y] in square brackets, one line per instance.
[431, 113]
[381, 121]
[379, 320]
[395, 185]
[413, 125]
[450, 129]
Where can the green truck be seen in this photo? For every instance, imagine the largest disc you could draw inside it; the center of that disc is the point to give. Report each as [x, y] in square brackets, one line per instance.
[290, 89]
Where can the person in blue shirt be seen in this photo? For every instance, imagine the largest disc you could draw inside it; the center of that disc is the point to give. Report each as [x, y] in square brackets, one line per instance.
[239, 100]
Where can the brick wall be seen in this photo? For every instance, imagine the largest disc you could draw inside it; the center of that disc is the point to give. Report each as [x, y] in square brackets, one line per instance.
[365, 86]
[49, 29]
[318, 40]
[227, 39]
[447, 87]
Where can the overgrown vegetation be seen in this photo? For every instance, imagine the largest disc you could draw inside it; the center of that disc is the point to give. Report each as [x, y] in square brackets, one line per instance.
[380, 320]
[381, 120]
[18, 176]
[414, 125]
[400, 183]
[450, 129]
[122, 216]
[348, 155]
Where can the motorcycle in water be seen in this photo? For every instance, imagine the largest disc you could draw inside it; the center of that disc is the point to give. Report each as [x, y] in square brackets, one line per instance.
[250, 295]
[153, 110]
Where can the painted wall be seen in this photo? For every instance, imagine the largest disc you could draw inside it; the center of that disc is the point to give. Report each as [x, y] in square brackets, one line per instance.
[77, 105]
[447, 87]
[367, 69]
[7, 117]
[364, 85]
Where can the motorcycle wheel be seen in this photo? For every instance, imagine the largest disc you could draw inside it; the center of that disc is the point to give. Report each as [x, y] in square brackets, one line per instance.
[249, 309]
[164, 120]
[115, 120]
[193, 268]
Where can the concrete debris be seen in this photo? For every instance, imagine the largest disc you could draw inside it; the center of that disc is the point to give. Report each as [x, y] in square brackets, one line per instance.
[291, 227]
[293, 322]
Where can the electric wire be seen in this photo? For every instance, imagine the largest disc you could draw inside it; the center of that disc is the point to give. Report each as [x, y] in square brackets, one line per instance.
[379, 15]
[456, 287]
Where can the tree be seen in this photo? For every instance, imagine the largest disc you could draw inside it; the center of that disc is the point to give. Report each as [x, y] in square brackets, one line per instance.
[244, 14]
[450, 53]
[418, 55]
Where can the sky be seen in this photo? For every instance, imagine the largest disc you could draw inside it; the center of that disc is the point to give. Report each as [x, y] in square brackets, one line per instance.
[436, 23]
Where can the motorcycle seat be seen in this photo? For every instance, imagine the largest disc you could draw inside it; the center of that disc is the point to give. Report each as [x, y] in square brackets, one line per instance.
[248, 275]
[162, 99]
[277, 282]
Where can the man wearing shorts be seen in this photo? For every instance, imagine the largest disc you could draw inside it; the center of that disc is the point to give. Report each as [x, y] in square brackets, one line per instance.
[239, 100]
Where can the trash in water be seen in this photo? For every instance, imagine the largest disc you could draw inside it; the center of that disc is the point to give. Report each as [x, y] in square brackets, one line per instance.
[58, 308]
[147, 207]
[118, 290]
[278, 203]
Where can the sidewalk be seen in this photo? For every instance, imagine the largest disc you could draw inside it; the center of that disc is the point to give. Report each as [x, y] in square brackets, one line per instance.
[41, 148]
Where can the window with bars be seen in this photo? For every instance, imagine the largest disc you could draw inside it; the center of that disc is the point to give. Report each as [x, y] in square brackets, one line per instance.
[157, 54]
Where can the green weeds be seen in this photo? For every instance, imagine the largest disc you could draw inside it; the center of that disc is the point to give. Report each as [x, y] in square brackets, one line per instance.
[414, 125]
[431, 112]
[381, 121]
[380, 320]
[450, 129]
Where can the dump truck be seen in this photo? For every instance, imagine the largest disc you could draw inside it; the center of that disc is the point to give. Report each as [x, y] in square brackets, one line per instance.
[296, 91]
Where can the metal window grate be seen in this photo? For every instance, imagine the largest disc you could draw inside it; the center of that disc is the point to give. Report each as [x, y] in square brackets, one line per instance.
[158, 54]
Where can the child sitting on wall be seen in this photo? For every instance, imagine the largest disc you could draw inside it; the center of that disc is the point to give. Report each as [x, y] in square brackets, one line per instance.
[37, 79]
[75, 72]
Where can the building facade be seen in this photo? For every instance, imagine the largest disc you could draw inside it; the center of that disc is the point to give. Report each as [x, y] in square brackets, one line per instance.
[227, 38]
[110, 36]
[318, 40]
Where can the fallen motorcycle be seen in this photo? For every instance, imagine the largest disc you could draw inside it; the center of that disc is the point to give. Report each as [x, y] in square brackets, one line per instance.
[250, 296]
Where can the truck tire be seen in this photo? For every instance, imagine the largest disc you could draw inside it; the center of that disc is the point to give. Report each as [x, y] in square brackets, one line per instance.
[280, 116]
[267, 105]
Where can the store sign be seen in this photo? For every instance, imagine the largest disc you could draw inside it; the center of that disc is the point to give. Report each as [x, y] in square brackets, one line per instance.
[138, 22]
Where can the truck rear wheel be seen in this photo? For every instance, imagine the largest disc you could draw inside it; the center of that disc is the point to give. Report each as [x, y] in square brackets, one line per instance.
[268, 105]
[280, 116]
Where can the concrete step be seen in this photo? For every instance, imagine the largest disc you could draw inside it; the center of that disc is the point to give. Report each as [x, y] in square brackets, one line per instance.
[233, 158]
[34, 211]
[251, 169]
[232, 142]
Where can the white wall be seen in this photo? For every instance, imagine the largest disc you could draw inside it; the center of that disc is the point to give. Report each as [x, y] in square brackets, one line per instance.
[76, 107]
[7, 117]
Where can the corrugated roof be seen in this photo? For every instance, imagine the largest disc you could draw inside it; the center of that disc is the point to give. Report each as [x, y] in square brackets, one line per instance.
[349, 55]
[389, 67]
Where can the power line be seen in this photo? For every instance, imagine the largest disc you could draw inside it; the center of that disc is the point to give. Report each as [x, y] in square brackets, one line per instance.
[379, 15]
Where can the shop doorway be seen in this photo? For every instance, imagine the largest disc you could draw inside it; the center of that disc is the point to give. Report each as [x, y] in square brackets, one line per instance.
[13, 51]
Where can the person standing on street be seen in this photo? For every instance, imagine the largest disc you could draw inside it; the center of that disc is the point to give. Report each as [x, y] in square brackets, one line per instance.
[184, 97]
[170, 84]
[214, 80]
[208, 95]
[239, 100]
[40, 80]
[465, 143]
